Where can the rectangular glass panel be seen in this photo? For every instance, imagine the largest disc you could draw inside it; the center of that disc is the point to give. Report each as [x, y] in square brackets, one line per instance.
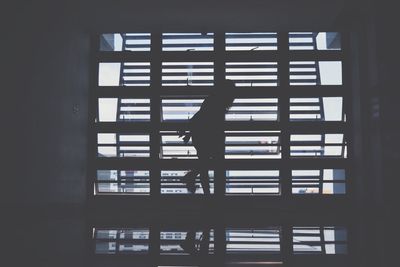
[252, 74]
[187, 74]
[323, 181]
[180, 109]
[315, 72]
[172, 182]
[251, 41]
[319, 240]
[173, 147]
[125, 42]
[252, 182]
[314, 41]
[188, 41]
[124, 74]
[243, 109]
[317, 109]
[124, 109]
[123, 145]
[186, 242]
[318, 145]
[253, 109]
[121, 241]
[123, 182]
[253, 241]
[252, 145]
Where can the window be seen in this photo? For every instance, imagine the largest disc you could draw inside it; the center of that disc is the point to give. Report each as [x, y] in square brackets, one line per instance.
[285, 134]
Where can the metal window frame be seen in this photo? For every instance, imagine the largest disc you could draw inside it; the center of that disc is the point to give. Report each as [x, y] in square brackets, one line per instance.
[219, 56]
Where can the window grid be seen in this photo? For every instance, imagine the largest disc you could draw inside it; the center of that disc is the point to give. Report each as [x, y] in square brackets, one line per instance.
[150, 121]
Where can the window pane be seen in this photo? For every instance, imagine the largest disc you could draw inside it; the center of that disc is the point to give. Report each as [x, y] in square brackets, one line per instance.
[188, 41]
[323, 181]
[252, 241]
[125, 42]
[173, 182]
[319, 240]
[124, 74]
[187, 73]
[252, 74]
[180, 109]
[318, 145]
[252, 145]
[314, 41]
[121, 241]
[251, 41]
[124, 109]
[173, 147]
[252, 182]
[253, 109]
[172, 242]
[315, 73]
[123, 145]
[317, 109]
[123, 182]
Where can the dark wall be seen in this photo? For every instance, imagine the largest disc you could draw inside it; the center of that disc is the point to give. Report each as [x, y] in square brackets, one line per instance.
[49, 81]
[46, 67]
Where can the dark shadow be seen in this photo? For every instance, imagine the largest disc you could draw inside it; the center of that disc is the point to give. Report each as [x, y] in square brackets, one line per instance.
[206, 128]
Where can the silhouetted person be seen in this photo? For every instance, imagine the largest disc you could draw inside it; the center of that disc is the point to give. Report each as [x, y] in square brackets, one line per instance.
[194, 246]
[207, 133]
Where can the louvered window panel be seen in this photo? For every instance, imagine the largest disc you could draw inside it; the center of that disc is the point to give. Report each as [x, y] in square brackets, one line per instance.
[253, 109]
[314, 41]
[252, 74]
[251, 41]
[252, 241]
[124, 109]
[319, 240]
[188, 41]
[252, 182]
[173, 182]
[135, 42]
[123, 145]
[318, 145]
[180, 109]
[187, 73]
[173, 147]
[124, 74]
[121, 241]
[135, 182]
[172, 242]
[315, 73]
[317, 109]
[322, 181]
[252, 145]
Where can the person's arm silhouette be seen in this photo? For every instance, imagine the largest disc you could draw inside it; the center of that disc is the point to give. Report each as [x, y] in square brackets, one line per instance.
[195, 122]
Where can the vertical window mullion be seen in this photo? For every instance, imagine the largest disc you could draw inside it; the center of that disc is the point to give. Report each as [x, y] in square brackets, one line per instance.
[287, 243]
[219, 77]
[347, 100]
[285, 169]
[155, 104]
[283, 87]
[93, 116]
[154, 243]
